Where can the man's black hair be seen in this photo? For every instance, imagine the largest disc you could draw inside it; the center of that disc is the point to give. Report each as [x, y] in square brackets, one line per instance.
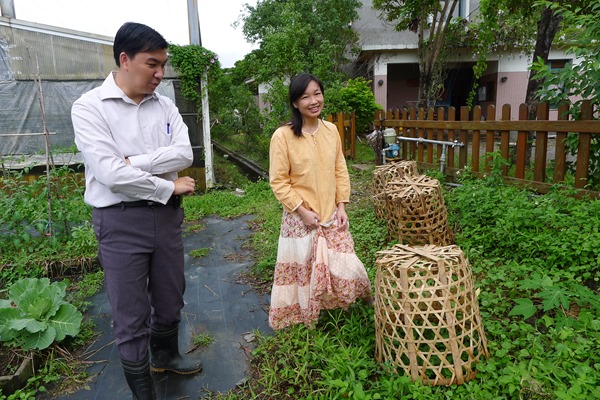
[133, 38]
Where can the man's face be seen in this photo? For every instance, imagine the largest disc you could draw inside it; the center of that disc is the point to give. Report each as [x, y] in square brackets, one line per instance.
[143, 72]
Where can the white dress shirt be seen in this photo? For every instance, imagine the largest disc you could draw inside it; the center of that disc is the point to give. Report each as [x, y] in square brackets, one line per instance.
[110, 127]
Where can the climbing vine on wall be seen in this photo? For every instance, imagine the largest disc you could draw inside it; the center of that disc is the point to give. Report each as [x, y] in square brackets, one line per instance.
[191, 62]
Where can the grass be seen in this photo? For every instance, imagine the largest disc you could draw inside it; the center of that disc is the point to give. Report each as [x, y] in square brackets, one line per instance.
[536, 262]
[201, 252]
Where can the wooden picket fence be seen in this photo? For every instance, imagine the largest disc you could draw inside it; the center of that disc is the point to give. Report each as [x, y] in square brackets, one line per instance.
[482, 137]
[346, 124]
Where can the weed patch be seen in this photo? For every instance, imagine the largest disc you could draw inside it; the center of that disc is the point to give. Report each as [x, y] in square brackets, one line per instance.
[536, 262]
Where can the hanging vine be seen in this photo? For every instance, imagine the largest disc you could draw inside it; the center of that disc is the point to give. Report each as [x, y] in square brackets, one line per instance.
[191, 62]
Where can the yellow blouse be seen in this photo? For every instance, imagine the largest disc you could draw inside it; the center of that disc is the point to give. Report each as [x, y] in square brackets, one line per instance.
[309, 170]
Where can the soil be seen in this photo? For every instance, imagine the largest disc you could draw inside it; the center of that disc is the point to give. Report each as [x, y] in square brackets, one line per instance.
[10, 360]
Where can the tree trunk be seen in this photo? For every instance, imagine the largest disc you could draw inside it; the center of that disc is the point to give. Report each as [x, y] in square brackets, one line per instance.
[430, 59]
[424, 87]
[547, 28]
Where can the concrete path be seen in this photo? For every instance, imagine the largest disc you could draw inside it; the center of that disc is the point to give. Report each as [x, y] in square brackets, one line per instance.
[216, 304]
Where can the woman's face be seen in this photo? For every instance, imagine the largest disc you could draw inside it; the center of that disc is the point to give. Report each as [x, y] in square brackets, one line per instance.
[310, 104]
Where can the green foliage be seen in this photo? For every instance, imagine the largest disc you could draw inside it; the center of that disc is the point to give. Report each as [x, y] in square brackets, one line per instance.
[353, 95]
[579, 80]
[202, 339]
[535, 260]
[432, 21]
[86, 287]
[192, 62]
[201, 252]
[227, 174]
[499, 25]
[553, 231]
[233, 107]
[278, 111]
[36, 314]
[576, 81]
[301, 36]
[28, 241]
[54, 371]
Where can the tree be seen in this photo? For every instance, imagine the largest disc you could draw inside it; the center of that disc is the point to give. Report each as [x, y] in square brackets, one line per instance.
[579, 37]
[353, 95]
[577, 81]
[431, 20]
[547, 27]
[499, 25]
[297, 36]
[301, 36]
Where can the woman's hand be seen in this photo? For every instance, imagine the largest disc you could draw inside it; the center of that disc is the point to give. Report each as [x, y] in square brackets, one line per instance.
[342, 217]
[309, 218]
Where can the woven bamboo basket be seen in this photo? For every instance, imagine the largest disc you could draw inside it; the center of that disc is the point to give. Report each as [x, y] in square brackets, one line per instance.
[426, 314]
[387, 173]
[416, 214]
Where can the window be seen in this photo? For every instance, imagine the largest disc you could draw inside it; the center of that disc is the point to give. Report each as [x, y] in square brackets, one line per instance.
[485, 92]
[555, 67]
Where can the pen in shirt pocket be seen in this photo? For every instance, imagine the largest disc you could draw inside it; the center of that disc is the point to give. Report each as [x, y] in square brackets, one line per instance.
[168, 128]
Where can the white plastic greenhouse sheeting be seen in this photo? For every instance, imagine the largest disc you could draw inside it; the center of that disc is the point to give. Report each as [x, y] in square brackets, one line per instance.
[20, 113]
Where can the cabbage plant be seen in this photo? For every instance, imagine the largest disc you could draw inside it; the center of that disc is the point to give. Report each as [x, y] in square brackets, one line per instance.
[36, 314]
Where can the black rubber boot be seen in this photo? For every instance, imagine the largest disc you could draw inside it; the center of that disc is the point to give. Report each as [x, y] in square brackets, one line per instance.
[164, 354]
[139, 379]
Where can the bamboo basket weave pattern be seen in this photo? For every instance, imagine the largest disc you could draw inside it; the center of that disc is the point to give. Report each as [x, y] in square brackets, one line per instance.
[387, 173]
[416, 212]
[426, 314]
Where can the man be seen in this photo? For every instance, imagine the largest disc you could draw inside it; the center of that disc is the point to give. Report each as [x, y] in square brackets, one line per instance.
[134, 142]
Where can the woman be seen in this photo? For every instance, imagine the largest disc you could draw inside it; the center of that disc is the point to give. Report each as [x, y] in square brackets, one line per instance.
[316, 264]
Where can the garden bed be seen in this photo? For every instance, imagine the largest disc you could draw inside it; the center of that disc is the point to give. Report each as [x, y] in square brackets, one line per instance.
[16, 367]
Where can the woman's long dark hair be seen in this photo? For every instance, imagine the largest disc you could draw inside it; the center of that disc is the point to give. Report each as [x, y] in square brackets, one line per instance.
[298, 86]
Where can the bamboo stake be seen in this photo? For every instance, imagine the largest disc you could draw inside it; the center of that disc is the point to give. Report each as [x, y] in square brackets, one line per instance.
[49, 160]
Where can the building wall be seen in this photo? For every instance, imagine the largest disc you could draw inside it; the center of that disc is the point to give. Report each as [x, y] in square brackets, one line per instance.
[389, 56]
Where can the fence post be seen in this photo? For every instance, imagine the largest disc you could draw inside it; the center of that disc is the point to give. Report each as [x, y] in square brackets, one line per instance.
[440, 136]
[560, 156]
[429, 135]
[451, 134]
[475, 143]
[583, 151]
[490, 138]
[505, 139]
[352, 129]
[541, 145]
[464, 138]
[413, 133]
[521, 152]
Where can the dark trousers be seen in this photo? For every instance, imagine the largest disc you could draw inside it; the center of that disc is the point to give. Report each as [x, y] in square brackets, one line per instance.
[141, 252]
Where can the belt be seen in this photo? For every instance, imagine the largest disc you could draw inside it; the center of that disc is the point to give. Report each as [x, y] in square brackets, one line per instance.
[174, 201]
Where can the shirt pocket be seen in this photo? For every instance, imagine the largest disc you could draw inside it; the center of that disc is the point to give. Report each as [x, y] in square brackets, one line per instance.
[163, 131]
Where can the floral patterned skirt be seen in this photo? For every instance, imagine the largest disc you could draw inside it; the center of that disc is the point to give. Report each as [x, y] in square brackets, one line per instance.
[315, 270]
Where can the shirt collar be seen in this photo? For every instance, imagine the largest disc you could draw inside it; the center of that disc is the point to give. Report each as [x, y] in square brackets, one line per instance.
[110, 90]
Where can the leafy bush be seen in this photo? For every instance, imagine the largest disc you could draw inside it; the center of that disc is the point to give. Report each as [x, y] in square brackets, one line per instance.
[233, 108]
[193, 62]
[353, 95]
[36, 314]
[278, 110]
